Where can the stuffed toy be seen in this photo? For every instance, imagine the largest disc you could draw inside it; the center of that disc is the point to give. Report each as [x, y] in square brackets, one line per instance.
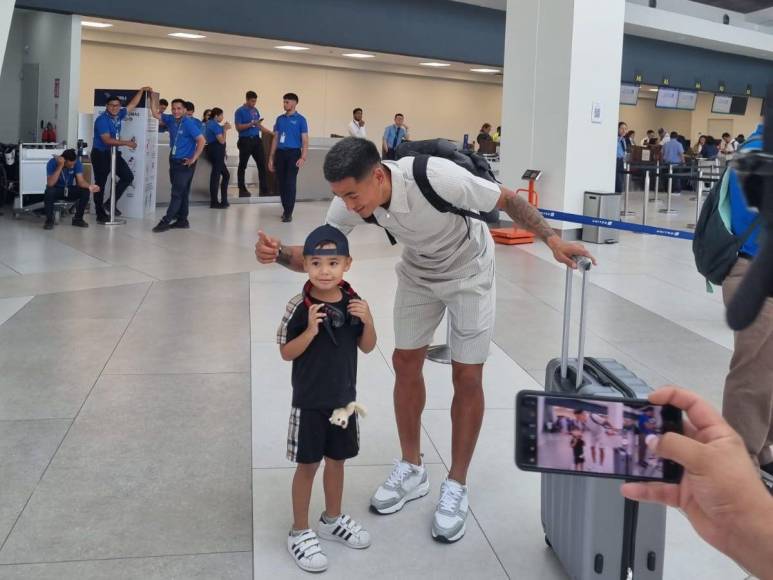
[341, 415]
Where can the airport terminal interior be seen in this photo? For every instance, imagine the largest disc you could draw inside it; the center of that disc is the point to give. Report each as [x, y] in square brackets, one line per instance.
[144, 402]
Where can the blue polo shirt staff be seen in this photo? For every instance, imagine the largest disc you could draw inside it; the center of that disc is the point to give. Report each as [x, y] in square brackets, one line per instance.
[394, 135]
[214, 133]
[248, 123]
[65, 181]
[188, 145]
[673, 154]
[107, 134]
[288, 152]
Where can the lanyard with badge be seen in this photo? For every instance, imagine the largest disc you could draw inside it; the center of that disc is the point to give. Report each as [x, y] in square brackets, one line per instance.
[179, 123]
[115, 122]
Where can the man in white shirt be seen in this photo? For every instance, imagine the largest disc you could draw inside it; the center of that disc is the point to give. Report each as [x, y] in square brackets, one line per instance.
[727, 146]
[664, 135]
[650, 136]
[447, 263]
[357, 126]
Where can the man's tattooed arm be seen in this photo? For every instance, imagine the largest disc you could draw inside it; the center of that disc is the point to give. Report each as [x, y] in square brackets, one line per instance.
[526, 215]
[291, 257]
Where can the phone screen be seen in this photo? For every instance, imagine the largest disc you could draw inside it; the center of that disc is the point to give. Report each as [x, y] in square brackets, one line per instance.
[594, 436]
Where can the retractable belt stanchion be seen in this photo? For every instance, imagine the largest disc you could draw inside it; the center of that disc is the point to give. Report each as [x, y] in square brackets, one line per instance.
[645, 197]
[625, 212]
[113, 221]
[668, 210]
[698, 200]
[657, 180]
[442, 352]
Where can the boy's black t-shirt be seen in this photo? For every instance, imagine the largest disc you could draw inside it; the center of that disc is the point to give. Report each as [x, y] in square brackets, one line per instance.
[325, 375]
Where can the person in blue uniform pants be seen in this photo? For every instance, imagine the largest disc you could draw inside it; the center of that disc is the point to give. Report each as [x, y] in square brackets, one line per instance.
[187, 148]
[107, 134]
[247, 121]
[394, 134]
[65, 181]
[214, 133]
[288, 152]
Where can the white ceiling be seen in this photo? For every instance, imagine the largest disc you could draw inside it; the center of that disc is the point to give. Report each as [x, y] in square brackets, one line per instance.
[264, 49]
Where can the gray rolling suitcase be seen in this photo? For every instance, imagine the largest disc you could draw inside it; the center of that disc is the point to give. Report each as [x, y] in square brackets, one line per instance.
[594, 531]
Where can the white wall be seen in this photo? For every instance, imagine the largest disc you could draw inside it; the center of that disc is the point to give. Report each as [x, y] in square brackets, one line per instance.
[433, 107]
[10, 82]
[53, 41]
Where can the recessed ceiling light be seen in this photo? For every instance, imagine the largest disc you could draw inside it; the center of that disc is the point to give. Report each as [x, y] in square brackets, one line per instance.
[434, 64]
[292, 47]
[358, 55]
[485, 70]
[90, 24]
[186, 35]
[654, 90]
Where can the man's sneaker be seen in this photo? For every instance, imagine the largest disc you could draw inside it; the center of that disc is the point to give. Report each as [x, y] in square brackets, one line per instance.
[181, 225]
[448, 524]
[161, 227]
[305, 550]
[406, 482]
[103, 218]
[48, 225]
[346, 531]
[79, 223]
[244, 192]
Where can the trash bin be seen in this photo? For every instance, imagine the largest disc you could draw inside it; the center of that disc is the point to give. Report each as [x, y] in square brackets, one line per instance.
[604, 206]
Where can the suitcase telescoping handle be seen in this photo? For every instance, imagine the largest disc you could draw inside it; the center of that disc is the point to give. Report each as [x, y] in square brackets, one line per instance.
[583, 264]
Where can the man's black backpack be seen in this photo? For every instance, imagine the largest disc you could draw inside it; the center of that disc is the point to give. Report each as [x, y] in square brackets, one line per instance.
[473, 162]
[715, 247]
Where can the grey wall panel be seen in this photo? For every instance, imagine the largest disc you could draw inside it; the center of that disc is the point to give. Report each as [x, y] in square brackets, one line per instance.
[686, 64]
[428, 28]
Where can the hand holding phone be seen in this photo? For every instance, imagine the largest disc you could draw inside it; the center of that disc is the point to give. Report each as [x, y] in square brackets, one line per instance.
[596, 436]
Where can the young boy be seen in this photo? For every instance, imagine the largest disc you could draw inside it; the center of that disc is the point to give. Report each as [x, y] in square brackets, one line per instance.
[578, 446]
[320, 333]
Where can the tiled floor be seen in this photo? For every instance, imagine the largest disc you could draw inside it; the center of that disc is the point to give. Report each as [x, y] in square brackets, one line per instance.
[143, 403]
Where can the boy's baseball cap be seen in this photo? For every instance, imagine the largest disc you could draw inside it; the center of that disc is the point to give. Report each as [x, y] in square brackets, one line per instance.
[323, 234]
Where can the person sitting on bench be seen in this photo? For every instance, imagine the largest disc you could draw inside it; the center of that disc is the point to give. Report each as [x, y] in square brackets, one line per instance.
[65, 181]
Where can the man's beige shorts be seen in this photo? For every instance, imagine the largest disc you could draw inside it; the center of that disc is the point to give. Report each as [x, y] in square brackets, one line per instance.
[420, 305]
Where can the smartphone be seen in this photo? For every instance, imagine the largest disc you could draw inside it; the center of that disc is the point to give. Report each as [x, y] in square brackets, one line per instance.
[593, 436]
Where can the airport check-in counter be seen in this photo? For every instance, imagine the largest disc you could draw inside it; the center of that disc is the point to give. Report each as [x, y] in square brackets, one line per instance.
[311, 180]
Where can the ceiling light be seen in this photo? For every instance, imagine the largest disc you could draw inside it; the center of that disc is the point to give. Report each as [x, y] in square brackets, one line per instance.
[358, 55]
[90, 24]
[292, 47]
[654, 90]
[485, 70]
[186, 35]
[434, 64]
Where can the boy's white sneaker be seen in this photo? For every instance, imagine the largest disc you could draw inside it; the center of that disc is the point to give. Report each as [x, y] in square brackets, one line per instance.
[306, 551]
[448, 525]
[406, 482]
[345, 530]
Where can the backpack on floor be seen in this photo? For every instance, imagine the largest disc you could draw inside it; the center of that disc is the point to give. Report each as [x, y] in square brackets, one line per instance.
[715, 246]
[473, 162]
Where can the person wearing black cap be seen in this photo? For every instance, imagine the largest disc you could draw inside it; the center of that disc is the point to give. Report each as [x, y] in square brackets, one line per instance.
[65, 180]
[320, 332]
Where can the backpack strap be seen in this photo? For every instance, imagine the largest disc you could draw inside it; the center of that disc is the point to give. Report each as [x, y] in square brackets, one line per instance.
[371, 219]
[440, 204]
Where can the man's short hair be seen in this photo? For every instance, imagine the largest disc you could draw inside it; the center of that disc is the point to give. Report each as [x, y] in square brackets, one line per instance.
[578, 411]
[674, 134]
[621, 123]
[399, 115]
[215, 112]
[251, 95]
[725, 135]
[357, 110]
[163, 102]
[350, 157]
[69, 155]
[181, 101]
[112, 98]
[290, 97]
[190, 106]
[650, 131]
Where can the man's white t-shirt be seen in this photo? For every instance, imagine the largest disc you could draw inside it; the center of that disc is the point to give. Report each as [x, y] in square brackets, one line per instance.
[356, 131]
[436, 246]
